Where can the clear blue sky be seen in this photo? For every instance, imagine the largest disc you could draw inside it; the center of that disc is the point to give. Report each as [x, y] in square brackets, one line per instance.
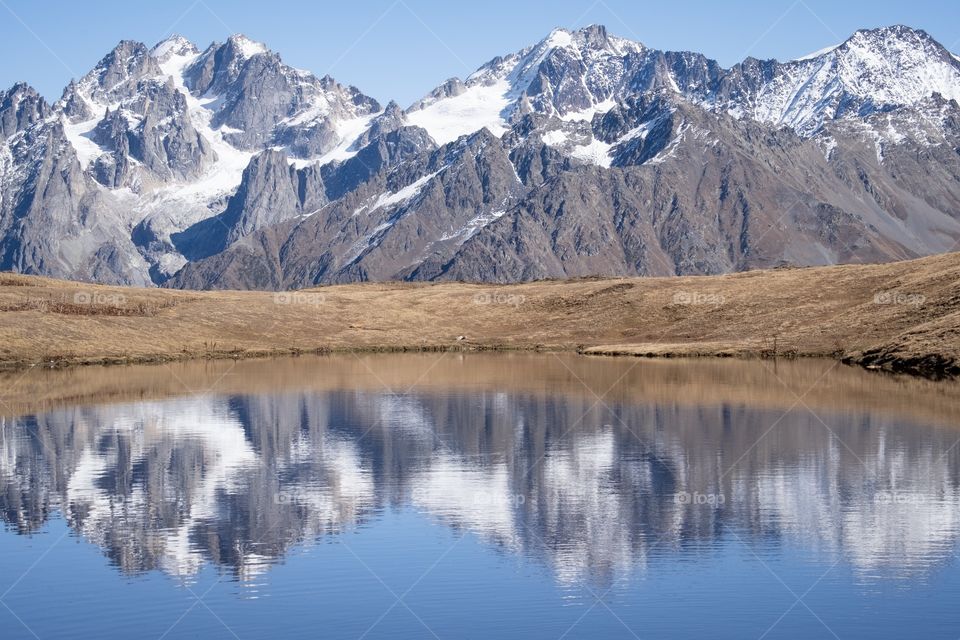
[403, 48]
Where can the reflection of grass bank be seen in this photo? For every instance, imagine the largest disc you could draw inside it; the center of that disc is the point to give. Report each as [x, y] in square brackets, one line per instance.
[824, 386]
[903, 316]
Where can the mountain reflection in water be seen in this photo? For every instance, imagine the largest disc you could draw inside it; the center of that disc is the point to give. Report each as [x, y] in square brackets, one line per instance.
[592, 467]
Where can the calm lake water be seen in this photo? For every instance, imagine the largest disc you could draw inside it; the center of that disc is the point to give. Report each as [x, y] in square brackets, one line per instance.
[480, 496]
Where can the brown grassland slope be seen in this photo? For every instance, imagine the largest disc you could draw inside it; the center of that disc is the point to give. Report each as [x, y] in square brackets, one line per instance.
[899, 316]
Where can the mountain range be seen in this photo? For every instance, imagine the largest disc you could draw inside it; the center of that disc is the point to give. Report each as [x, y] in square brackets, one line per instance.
[584, 154]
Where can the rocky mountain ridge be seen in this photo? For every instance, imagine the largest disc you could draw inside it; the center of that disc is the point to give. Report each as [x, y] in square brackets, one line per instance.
[585, 154]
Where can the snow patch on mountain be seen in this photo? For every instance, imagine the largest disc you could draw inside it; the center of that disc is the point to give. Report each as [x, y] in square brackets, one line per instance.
[671, 149]
[587, 114]
[529, 61]
[593, 151]
[387, 201]
[801, 96]
[318, 110]
[173, 46]
[816, 54]
[225, 175]
[392, 199]
[473, 226]
[349, 132]
[81, 139]
[407, 193]
[642, 131]
[480, 106]
[558, 38]
[247, 47]
[555, 138]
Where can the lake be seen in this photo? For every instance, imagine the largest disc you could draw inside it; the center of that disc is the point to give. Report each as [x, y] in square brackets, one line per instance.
[478, 496]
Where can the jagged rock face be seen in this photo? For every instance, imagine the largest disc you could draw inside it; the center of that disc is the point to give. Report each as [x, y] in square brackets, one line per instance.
[638, 129]
[54, 221]
[391, 119]
[72, 105]
[535, 161]
[271, 192]
[385, 151]
[727, 196]
[116, 76]
[388, 225]
[578, 71]
[583, 154]
[261, 96]
[165, 141]
[688, 192]
[161, 138]
[153, 129]
[306, 137]
[113, 132]
[21, 107]
[266, 102]
[427, 207]
[270, 188]
[218, 68]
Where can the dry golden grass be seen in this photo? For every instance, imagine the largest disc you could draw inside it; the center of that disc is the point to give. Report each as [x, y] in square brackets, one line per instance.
[901, 316]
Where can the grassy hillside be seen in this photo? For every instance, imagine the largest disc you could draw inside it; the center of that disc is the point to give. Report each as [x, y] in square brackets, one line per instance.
[901, 316]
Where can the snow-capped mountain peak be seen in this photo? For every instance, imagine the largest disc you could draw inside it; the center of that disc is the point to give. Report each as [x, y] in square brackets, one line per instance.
[590, 45]
[575, 74]
[246, 46]
[565, 74]
[116, 75]
[157, 152]
[897, 66]
[175, 45]
[872, 71]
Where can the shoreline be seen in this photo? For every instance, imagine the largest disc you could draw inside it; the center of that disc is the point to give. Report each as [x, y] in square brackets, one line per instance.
[929, 367]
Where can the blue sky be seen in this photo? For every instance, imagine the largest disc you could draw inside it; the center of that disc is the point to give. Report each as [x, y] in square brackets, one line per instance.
[403, 48]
